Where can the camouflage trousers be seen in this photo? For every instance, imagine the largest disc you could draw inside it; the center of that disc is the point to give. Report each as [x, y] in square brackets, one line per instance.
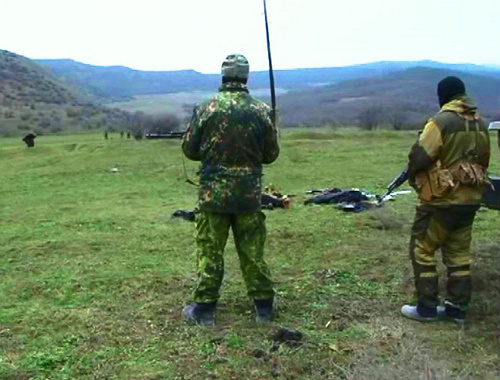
[249, 231]
[450, 230]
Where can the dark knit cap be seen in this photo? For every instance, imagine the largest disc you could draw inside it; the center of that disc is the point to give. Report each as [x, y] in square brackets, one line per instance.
[449, 88]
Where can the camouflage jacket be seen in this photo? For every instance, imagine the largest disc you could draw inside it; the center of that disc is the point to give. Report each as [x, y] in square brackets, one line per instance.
[232, 135]
[454, 135]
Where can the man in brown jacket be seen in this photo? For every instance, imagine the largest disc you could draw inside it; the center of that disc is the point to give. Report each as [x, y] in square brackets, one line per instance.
[447, 167]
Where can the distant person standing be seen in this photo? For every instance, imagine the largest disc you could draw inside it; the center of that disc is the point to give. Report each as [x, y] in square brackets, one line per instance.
[232, 135]
[447, 167]
[105, 134]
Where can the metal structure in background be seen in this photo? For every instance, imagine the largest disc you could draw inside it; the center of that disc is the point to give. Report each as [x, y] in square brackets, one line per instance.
[495, 126]
[169, 135]
[491, 197]
[271, 75]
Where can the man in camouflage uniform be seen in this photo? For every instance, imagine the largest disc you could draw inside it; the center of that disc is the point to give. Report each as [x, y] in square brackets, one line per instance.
[447, 168]
[232, 135]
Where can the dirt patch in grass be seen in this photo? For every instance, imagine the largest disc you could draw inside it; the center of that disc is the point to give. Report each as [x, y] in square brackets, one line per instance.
[382, 218]
[486, 281]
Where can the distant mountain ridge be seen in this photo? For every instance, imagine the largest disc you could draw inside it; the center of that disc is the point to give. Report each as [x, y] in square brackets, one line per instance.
[410, 93]
[121, 82]
[55, 95]
[113, 82]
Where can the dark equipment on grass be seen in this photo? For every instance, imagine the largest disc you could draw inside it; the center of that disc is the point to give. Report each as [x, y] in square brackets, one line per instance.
[395, 183]
[349, 200]
[29, 140]
[272, 201]
[491, 197]
[185, 214]
[169, 135]
[269, 201]
[336, 195]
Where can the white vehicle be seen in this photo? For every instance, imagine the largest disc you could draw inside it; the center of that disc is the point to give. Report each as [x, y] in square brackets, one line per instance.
[494, 126]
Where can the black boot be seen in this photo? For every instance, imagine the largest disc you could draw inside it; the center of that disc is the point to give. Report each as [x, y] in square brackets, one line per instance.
[419, 313]
[263, 310]
[200, 313]
[451, 312]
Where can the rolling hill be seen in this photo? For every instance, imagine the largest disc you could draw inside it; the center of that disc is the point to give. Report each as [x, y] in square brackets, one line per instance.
[34, 100]
[411, 92]
[114, 82]
[55, 95]
[23, 82]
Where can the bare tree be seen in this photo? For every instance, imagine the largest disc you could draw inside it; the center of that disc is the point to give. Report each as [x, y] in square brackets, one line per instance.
[137, 123]
[164, 123]
[370, 117]
[398, 118]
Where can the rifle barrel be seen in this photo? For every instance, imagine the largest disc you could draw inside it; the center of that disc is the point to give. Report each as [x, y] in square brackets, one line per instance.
[271, 75]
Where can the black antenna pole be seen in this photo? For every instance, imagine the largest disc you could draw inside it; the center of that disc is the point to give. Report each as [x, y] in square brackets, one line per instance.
[271, 75]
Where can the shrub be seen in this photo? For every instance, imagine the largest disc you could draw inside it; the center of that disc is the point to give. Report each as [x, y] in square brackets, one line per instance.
[370, 117]
[56, 129]
[9, 114]
[398, 118]
[73, 111]
[44, 123]
[162, 123]
[25, 116]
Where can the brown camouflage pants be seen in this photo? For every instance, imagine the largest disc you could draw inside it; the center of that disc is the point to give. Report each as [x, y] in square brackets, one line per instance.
[249, 231]
[448, 229]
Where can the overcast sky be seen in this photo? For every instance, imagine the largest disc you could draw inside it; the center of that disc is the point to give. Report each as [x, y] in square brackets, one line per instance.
[198, 34]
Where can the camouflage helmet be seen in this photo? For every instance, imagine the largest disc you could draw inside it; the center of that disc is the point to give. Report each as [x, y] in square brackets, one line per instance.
[235, 66]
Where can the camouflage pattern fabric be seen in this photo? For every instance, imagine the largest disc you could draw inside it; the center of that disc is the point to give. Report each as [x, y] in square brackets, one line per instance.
[235, 66]
[232, 135]
[455, 134]
[448, 228]
[249, 231]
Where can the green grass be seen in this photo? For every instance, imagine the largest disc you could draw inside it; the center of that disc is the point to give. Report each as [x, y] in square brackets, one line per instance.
[94, 271]
[180, 103]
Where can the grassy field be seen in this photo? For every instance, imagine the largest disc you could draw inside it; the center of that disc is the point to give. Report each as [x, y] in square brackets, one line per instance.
[94, 271]
[180, 103]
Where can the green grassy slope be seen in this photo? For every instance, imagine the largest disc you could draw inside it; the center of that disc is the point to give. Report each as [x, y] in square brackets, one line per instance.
[94, 272]
[24, 82]
[34, 100]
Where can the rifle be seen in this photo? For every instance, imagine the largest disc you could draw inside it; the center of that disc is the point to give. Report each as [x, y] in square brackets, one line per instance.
[271, 75]
[395, 183]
